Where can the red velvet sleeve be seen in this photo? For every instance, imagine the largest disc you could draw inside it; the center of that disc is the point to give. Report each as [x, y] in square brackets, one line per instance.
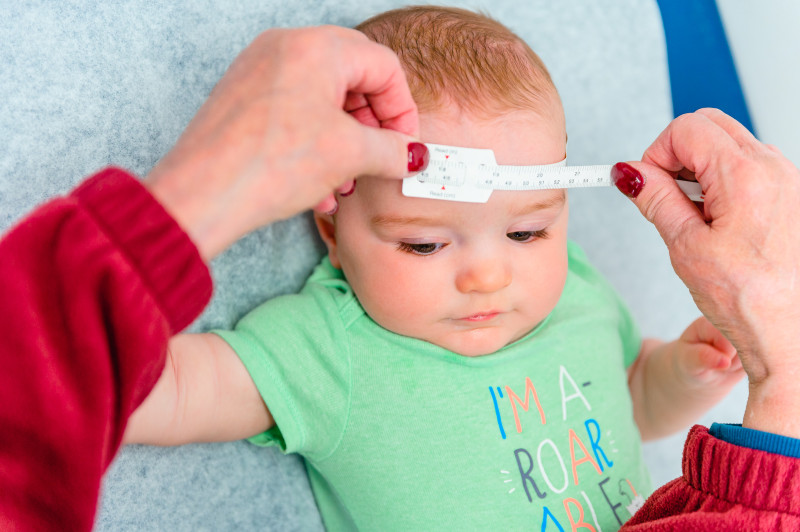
[91, 288]
[724, 487]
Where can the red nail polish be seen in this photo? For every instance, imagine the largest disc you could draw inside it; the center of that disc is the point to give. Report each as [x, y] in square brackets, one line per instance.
[418, 157]
[627, 179]
[345, 194]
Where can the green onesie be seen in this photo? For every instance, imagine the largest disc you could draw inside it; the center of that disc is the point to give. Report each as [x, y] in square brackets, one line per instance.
[399, 434]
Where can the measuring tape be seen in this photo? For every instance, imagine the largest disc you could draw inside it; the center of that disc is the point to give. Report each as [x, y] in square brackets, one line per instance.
[469, 174]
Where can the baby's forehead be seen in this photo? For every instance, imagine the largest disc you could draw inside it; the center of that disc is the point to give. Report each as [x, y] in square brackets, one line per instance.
[517, 138]
[381, 201]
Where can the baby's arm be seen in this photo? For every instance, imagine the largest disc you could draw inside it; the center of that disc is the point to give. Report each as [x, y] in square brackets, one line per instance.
[204, 394]
[672, 384]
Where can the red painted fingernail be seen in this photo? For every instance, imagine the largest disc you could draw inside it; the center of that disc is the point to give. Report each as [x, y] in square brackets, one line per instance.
[345, 194]
[418, 157]
[627, 179]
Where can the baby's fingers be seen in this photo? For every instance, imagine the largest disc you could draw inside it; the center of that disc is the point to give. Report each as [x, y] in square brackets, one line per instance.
[702, 331]
[704, 357]
[707, 366]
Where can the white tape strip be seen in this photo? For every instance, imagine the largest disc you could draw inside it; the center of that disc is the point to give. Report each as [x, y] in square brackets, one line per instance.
[469, 174]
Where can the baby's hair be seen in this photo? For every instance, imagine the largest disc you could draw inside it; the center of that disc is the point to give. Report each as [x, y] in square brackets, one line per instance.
[455, 57]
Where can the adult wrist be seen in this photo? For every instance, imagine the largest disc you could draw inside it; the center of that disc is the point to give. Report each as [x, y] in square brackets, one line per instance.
[773, 406]
[182, 195]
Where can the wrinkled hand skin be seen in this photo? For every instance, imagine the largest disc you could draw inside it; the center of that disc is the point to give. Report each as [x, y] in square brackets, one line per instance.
[275, 136]
[740, 256]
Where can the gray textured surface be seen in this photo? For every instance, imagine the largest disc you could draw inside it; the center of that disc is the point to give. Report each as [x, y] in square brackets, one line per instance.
[86, 84]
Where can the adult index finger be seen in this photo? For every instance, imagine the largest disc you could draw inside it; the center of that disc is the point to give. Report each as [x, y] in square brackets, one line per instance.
[658, 197]
[388, 154]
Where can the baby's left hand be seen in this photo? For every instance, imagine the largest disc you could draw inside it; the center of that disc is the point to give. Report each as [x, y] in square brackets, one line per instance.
[674, 383]
[703, 356]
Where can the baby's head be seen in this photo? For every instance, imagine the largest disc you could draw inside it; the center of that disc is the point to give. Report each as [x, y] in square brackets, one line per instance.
[468, 277]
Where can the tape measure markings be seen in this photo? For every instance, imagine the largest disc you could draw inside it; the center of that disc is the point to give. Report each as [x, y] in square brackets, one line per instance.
[541, 177]
[497, 177]
[471, 174]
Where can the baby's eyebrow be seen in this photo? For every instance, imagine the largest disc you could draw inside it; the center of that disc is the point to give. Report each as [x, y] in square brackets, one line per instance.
[382, 220]
[555, 201]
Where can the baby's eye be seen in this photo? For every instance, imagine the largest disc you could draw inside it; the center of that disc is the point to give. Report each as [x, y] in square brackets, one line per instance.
[420, 249]
[527, 236]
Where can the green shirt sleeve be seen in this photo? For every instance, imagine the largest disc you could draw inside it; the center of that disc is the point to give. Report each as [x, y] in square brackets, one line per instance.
[295, 349]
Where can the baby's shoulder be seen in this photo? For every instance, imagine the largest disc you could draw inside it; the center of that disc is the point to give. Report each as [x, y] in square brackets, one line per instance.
[584, 279]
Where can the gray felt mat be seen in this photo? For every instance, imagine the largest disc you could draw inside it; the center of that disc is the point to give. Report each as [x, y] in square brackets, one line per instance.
[85, 84]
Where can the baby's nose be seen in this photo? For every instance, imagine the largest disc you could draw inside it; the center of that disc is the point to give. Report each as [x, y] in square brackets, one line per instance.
[486, 274]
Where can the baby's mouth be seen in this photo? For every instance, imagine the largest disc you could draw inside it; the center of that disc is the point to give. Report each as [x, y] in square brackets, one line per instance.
[481, 316]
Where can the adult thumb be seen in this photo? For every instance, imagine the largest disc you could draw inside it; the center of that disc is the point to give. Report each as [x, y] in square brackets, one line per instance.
[391, 154]
[659, 198]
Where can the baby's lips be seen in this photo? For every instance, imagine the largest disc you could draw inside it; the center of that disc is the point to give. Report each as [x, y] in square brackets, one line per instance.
[418, 157]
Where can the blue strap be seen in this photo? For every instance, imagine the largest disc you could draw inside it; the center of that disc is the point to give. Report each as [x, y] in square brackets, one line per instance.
[756, 439]
[701, 68]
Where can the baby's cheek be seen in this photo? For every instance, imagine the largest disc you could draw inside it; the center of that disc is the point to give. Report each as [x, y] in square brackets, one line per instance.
[406, 296]
[546, 276]
[389, 296]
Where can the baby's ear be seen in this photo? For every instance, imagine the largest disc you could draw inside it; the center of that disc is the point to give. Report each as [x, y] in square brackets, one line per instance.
[327, 231]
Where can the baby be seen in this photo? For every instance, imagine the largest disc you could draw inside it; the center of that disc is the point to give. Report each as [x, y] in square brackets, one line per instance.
[449, 365]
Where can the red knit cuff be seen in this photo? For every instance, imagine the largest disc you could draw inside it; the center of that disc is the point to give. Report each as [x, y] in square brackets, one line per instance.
[163, 254]
[758, 480]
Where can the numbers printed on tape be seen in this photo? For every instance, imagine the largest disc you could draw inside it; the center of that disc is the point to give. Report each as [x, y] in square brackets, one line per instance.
[496, 177]
[469, 174]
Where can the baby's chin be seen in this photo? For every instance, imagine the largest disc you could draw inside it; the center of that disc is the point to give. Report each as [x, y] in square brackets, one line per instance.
[475, 343]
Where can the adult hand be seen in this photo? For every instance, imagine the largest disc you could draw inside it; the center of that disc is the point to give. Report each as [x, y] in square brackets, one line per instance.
[277, 134]
[740, 255]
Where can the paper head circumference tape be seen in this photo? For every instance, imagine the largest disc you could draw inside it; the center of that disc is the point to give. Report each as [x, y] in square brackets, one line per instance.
[471, 174]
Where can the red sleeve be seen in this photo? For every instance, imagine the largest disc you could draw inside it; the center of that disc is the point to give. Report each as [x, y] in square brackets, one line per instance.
[91, 288]
[724, 487]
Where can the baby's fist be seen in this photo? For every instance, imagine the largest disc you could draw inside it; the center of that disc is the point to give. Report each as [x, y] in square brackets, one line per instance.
[704, 356]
